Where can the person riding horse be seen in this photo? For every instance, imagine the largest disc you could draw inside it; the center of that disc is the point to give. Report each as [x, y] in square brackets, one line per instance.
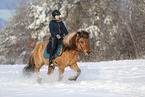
[57, 30]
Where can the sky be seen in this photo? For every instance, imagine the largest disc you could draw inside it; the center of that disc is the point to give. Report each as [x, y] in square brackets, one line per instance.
[7, 7]
[5, 14]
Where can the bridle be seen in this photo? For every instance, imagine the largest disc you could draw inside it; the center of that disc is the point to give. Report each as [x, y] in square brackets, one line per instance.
[80, 45]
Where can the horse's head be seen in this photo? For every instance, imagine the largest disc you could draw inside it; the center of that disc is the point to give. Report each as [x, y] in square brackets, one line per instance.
[82, 42]
[77, 41]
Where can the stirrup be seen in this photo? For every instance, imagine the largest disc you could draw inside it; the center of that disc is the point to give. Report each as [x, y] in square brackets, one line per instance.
[51, 65]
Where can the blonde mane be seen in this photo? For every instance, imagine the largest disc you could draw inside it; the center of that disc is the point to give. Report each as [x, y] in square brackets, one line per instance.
[67, 38]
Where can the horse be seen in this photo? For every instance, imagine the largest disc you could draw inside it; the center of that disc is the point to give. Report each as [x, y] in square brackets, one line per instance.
[68, 56]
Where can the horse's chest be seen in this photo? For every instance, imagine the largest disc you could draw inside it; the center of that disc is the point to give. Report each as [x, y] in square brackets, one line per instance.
[71, 55]
[72, 58]
[68, 58]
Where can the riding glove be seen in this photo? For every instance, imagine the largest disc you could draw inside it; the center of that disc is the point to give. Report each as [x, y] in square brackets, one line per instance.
[58, 36]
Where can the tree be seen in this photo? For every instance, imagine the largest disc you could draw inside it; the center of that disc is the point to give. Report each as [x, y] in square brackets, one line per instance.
[14, 37]
[116, 27]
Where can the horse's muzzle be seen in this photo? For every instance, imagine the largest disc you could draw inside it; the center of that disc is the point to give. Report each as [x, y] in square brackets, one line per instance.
[87, 52]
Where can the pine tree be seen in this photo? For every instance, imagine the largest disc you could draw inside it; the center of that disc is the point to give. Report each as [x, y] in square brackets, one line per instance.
[14, 37]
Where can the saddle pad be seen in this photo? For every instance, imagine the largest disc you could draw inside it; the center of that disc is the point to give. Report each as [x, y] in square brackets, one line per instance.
[47, 55]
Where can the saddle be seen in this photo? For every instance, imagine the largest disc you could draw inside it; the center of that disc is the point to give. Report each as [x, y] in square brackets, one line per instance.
[48, 49]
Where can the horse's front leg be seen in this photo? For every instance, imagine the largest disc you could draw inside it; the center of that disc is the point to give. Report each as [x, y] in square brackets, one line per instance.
[61, 71]
[77, 69]
[50, 70]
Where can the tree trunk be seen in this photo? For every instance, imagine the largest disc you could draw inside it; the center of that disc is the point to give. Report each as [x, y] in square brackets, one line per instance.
[100, 24]
[132, 38]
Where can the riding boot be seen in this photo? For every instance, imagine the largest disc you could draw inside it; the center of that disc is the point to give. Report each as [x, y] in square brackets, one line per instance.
[51, 59]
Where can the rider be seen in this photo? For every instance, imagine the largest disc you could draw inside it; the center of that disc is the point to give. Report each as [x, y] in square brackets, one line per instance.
[57, 30]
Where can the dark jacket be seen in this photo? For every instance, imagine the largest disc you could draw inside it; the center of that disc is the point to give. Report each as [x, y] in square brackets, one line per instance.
[57, 27]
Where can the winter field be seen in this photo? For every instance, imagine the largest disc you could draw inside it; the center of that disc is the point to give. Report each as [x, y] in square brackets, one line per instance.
[124, 78]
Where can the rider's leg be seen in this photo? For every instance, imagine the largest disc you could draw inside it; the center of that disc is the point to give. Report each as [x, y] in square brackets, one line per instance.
[54, 46]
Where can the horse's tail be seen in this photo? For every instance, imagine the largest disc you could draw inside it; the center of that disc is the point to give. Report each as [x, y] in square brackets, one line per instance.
[30, 67]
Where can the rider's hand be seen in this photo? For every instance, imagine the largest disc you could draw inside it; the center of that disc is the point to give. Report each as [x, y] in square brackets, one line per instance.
[58, 36]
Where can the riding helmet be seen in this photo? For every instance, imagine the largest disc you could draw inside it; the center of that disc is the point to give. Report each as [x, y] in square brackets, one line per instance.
[55, 12]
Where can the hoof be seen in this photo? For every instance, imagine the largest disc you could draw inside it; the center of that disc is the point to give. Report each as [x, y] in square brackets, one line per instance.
[60, 79]
[39, 80]
[72, 79]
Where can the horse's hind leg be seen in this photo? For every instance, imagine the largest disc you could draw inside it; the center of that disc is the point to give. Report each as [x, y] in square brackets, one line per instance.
[77, 69]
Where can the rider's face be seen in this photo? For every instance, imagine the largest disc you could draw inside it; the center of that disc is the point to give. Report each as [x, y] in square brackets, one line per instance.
[57, 17]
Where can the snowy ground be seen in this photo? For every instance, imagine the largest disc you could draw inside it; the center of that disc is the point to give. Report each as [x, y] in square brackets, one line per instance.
[124, 78]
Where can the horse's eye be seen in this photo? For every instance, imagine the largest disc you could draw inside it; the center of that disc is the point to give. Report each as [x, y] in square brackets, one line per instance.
[81, 42]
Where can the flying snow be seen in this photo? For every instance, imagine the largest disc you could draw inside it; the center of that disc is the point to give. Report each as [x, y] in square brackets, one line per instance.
[125, 78]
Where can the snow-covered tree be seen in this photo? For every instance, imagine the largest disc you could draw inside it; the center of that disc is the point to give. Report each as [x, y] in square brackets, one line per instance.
[40, 14]
[14, 37]
[116, 27]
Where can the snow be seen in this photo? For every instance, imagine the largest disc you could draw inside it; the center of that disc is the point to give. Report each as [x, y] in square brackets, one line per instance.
[124, 78]
[108, 20]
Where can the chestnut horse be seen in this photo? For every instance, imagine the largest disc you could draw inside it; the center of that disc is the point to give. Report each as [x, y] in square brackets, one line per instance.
[72, 43]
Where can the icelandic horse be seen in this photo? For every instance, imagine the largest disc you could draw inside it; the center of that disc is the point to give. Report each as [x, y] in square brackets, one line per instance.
[72, 43]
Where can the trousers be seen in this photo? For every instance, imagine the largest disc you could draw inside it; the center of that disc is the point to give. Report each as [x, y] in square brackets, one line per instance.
[55, 43]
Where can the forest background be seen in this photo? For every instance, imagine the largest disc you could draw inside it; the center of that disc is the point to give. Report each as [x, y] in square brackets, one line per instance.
[116, 27]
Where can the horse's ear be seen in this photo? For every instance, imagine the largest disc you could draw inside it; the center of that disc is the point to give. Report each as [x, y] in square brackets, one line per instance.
[78, 34]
